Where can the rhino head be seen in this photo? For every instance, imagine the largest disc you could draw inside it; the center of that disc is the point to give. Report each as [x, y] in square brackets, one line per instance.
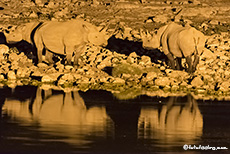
[97, 36]
[150, 41]
[15, 35]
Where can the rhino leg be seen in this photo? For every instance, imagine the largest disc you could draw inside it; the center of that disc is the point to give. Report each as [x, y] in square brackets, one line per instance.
[196, 61]
[49, 57]
[39, 45]
[69, 58]
[69, 53]
[76, 57]
[78, 51]
[39, 54]
[178, 63]
[189, 62]
[171, 60]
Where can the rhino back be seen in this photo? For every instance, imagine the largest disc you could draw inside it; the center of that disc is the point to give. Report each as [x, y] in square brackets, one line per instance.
[191, 39]
[167, 34]
[28, 29]
[186, 41]
[56, 36]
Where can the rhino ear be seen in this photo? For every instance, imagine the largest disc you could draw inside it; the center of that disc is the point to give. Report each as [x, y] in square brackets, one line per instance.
[85, 27]
[23, 27]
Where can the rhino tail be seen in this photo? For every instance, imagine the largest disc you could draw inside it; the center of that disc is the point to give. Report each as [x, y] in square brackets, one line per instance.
[196, 42]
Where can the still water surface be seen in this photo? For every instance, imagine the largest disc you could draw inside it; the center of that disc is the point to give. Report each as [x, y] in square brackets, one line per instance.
[51, 121]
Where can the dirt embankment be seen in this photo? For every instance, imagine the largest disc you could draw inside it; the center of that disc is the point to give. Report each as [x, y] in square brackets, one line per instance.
[124, 66]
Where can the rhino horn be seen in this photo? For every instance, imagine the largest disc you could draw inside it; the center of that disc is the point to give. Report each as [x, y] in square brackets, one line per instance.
[104, 29]
[143, 33]
[148, 34]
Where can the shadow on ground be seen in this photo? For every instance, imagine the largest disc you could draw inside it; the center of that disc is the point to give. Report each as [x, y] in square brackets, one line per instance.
[126, 47]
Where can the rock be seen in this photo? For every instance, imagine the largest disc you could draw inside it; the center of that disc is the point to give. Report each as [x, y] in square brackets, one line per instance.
[127, 32]
[143, 1]
[51, 70]
[132, 58]
[208, 54]
[151, 75]
[47, 78]
[197, 82]
[60, 67]
[204, 26]
[13, 57]
[195, 2]
[175, 88]
[101, 79]
[227, 73]
[119, 80]
[2, 77]
[11, 75]
[22, 73]
[77, 76]
[33, 15]
[51, 5]
[177, 74]
[95, 2]
[225, 86]
[207, 78]
[214, 22]
[39, 2]
[106, 62]
[162, 68]
[42, 65]
[145, 60]
[184, 84]
[3, 50]
[66, 78]
[126, 68]
[161, 18]
[162, 81]
[37, 73]
[68, 67]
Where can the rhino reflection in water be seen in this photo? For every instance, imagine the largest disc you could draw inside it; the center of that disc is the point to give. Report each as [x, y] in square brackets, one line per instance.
[172, 123]
[60, 115]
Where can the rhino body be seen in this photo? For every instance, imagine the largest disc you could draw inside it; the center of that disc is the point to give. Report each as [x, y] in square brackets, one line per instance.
[67, 38]
[178, 41]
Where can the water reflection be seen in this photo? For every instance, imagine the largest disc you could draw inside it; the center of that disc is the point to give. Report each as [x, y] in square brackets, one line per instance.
[172, 123]
[60, 114]
[86, 120]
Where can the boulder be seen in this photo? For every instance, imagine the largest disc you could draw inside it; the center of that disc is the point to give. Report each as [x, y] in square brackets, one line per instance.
[208, 54]
[2, 77]
[11, 75]
[162, 81]
[145, 60]
[197, 82]
[47, 78]
[132, 58]
[3, 50]
[119, 81]
[66, 78]
[177, 74]
[225, 86]
[151, 75]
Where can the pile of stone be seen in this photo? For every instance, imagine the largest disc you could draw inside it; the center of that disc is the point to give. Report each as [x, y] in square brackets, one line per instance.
[101, 68]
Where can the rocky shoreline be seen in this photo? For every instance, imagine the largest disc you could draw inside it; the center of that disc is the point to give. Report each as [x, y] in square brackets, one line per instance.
[101, 68]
